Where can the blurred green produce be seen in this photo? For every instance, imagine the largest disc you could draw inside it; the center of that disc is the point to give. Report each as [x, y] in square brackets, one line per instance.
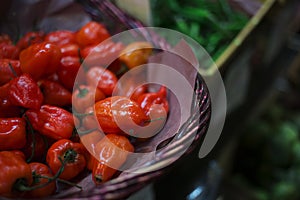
[213, 24]
[268, 157]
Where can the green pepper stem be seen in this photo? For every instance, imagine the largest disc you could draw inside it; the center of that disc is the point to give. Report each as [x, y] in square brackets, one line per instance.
[80, 57]
[20, 184]
[69, 183]
[69, 156]
[62, 181]
[33, 138]
[12, 70]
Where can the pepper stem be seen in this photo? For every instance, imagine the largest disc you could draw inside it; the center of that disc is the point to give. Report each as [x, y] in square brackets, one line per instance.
[62, 181]
[33, 138]
[21, 184]
[69, 156]
[12, 70]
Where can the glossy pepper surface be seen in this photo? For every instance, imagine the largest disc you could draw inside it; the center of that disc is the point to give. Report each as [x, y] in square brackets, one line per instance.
[102, 78]
[91, 33]
[148, 99]
[127, 113]
[69, 154]
[60, 37]
[25, 92]
[111, 153]
[7, 109]
[101, 54]
[12, 133]
[9, 69]
[40, 60]
[15, 172]
[55, 94]
[52, 121]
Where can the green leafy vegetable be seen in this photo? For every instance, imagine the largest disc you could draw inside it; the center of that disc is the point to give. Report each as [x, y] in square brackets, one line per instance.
[213, 24]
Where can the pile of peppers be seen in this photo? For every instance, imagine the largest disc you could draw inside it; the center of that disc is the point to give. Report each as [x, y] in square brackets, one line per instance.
[42, 109]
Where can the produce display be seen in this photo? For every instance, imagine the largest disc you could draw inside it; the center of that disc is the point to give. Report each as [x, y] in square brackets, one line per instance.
[213, 24]
[42, 110]
[268, 161]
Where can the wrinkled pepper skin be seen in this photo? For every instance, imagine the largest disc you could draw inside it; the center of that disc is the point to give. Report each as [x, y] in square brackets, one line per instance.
[52, 121]
[55, 94]
[25, 92]
[118, 108]
[148, 99]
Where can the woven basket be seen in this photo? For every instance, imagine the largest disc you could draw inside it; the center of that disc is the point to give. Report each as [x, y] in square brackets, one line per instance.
[191, 132]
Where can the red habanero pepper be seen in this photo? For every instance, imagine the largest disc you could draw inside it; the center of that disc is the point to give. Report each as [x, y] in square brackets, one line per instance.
[85, 96]
[25, 92]
[51, 121]
[101, 54]
[12, 133]
[148, 99]
[132, 90]
[9, 51]
[70, 49]
[89, 141]
[135, 54]
[68, 70]
[104, 79]
[55, 94]
[138, 92]
[91, 33]
[156, 107]
[111, 153]
[121, 108]
[69, 154]
[7, 109]
[30, 38]
[41, 175]
[15, 173]
[61, 37]
[9, 69]
[40, 60]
